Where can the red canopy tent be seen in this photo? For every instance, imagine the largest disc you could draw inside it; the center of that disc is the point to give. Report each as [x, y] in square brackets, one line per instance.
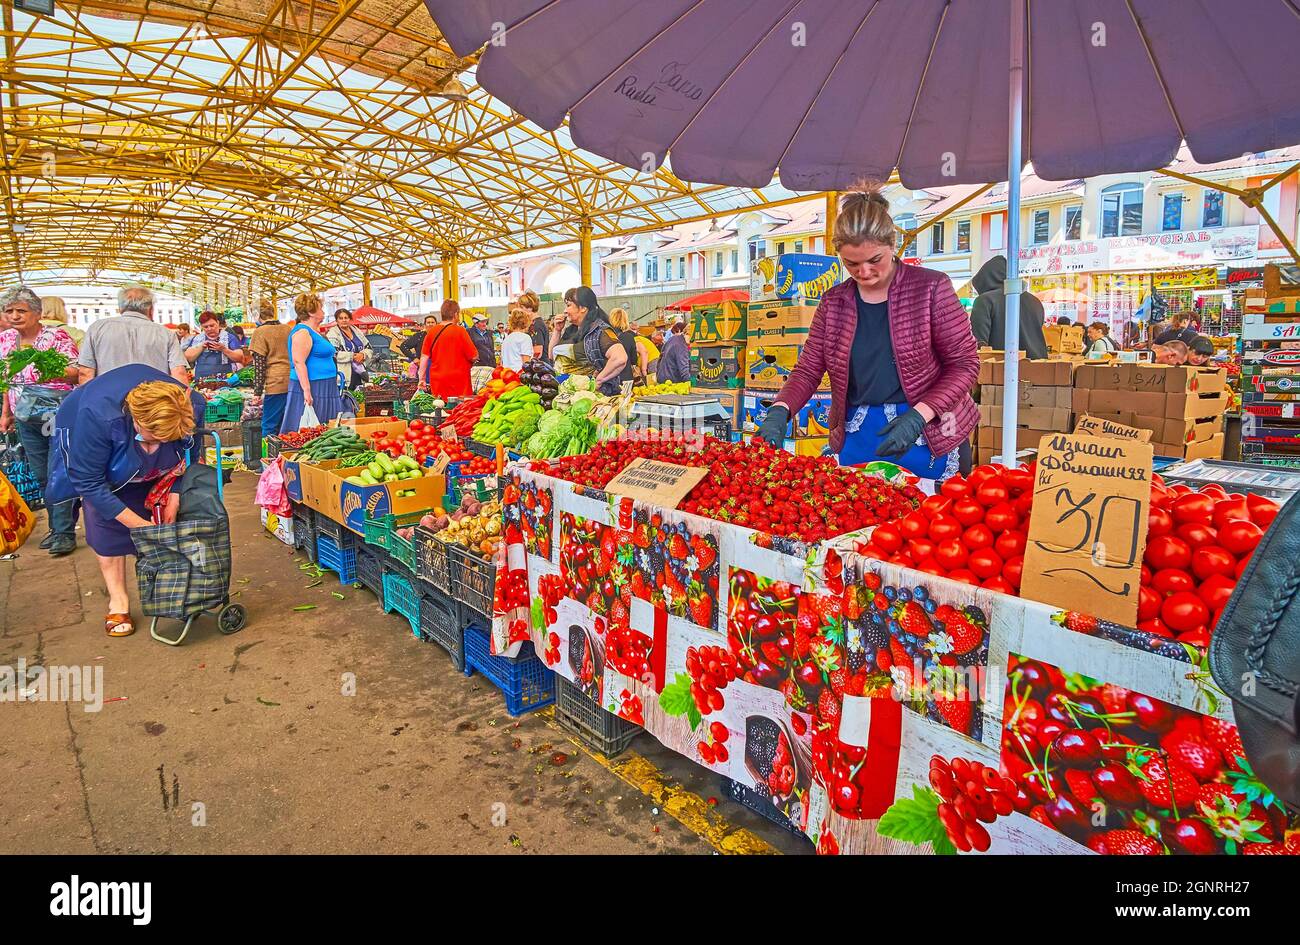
[367, 316]
[712, 297]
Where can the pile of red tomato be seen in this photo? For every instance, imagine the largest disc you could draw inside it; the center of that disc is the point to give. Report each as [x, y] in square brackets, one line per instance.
[973, 531]
[419, 440]
[1198, 544]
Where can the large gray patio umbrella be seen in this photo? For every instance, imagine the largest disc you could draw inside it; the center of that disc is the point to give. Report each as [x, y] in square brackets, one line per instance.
[826, 92]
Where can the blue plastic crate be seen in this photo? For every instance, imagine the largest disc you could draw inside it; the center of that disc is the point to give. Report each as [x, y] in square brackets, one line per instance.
[342, 561]
[370, 570]
[526, 683]
[399, 595]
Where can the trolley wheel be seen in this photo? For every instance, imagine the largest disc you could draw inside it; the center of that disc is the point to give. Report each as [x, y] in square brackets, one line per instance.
[231, 618]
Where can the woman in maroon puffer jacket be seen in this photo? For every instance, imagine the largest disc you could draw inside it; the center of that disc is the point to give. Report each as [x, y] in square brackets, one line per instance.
[898, 348]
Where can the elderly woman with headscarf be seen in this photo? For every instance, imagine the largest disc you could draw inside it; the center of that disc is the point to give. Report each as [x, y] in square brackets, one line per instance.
[31, 405]
[114, 438]
[594, 340]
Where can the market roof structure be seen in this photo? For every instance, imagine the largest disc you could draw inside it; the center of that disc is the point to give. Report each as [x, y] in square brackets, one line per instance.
[292, 143]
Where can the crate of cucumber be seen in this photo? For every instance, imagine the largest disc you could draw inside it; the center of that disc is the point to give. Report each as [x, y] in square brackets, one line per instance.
[383, 469]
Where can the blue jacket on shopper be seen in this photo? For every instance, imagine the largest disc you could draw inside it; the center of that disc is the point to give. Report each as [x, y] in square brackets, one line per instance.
[93, 451]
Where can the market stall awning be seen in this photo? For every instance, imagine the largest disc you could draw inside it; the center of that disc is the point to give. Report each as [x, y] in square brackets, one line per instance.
[712, 297]
[367, 316]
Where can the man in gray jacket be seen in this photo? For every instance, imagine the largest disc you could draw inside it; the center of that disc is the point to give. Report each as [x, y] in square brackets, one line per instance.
[988, 318]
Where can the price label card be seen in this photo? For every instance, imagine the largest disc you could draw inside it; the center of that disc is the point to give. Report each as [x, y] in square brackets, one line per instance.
[1099, 426]
[440, 464]
[661, 484]
[449, 432]
[1088, 527]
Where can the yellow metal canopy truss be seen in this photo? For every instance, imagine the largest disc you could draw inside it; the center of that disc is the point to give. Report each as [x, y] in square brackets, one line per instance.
[285, 144]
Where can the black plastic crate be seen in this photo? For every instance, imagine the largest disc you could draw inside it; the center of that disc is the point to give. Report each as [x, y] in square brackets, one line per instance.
[440, 624]
[479, 448]
[597, 728]
[431, 561]
[760, 804]
[343, 537]
[252, 442]
[304, 530]
[370, 570]
[473, 580]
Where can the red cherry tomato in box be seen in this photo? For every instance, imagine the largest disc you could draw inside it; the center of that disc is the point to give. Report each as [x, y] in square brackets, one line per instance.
[1229, 510]
[1262, 510]
[1240, 537]
[1180, 489]
[950, 554]
[1214, 489]
[1149, 602]
[934, 505]
[1241, 565]
[1173, 581]
[887, 537]
[985, 562]
[1184, 611]
[991, 493]
[955, 488]
[1024, 505]
[1194, 507]
[968, 512]
[981, 474]
[965, 576]
[1197, 535]
[1145, 579]
[1012, 569]
[1215, 591]
[1167, 551]
[977, 536]
[913, 525]
[1018, 479]
[1159, 522]
[1211, 559]
[1010, 544]
[1156, 627]
[944, 527]
[998, 584]
[1001, 517]
[920, 548]
[930, 566]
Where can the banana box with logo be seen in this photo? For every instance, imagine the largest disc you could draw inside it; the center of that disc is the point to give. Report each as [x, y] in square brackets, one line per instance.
[782, 321]
[717, 366]
[768, 366]
[803, 276]
[281, 528]
[719, 323]
[351, 504]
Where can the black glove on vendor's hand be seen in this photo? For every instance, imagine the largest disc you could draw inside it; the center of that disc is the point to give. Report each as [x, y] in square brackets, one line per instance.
[774, 425]
[900, 434]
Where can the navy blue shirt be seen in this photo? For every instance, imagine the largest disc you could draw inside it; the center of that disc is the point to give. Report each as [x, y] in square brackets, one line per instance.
[873, 375]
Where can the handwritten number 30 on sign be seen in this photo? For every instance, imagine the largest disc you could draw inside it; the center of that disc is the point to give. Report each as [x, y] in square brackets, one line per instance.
[1095, 525]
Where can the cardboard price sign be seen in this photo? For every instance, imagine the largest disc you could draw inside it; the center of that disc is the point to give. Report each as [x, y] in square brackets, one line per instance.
[1088, 527]
[1099, 426]
[448, 432]
[661, 484]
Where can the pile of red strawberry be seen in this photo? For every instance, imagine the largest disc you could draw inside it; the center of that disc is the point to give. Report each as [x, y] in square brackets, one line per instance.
[808, 498]
[973, 531]
[1198, 545]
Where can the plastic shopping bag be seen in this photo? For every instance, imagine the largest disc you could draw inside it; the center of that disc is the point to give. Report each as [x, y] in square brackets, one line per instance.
[16, 520]
[271, 492]
[308, 418]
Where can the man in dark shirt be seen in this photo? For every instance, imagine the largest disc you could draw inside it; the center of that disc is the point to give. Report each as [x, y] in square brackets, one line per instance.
[541, 336]
[1178, 330]
[482, 338]
[410, 348]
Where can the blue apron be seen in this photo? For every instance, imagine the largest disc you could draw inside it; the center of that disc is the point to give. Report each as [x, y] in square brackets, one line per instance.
[861, 440]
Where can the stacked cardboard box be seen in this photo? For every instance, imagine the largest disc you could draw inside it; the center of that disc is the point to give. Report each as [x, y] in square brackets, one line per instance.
[1044, 398]
[1063, 339]
[1183, 406]
[718, 345]
[1270, 382]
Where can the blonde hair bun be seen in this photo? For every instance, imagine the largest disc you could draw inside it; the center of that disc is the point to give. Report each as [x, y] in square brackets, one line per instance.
[864, 217]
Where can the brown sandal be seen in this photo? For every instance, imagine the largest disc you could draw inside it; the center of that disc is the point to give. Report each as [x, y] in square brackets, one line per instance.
[119, 625]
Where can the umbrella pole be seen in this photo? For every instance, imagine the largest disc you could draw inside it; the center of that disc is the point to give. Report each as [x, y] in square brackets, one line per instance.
[1012, 288]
